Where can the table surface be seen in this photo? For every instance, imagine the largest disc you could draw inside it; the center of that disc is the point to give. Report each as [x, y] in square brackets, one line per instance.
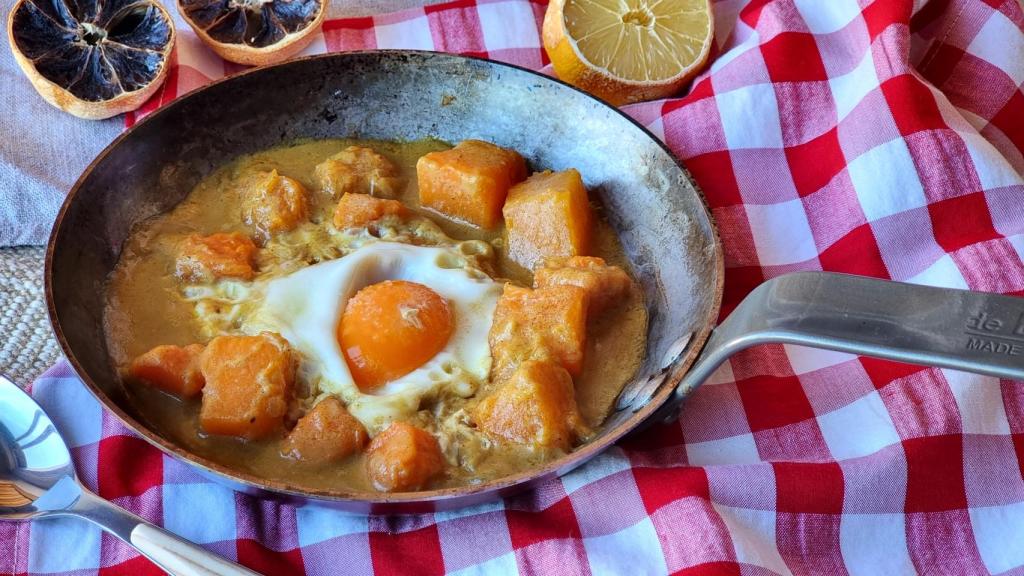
[28, 346]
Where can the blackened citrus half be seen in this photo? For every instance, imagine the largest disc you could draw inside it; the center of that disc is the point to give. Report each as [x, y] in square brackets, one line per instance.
[254, 32]
[92, 58]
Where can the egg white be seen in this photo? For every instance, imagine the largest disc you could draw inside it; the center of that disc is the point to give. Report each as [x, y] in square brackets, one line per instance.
[306, 306]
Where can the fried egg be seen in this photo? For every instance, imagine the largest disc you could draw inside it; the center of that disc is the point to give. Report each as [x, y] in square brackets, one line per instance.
[353, 342]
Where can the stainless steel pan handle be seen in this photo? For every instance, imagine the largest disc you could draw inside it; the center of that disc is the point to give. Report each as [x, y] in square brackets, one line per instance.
[971, 331]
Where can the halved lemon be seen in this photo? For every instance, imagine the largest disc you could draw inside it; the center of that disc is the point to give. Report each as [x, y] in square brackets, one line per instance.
[254, 32]
[92, 58]
[626, 51]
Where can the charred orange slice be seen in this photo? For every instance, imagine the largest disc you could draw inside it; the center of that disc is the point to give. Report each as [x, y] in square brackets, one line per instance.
[92, 58]
[254, 32]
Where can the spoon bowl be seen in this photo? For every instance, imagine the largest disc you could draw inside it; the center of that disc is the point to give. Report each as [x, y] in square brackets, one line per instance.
[38, 480]
[37, 476]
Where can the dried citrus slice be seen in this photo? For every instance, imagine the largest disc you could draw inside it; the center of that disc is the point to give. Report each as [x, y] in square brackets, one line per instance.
[254, 32]
[627, 51]
[92, 58]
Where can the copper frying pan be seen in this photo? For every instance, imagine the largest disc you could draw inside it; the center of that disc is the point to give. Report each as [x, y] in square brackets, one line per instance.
[647, 195]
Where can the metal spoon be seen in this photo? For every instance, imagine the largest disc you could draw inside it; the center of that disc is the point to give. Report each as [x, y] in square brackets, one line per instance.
[37, 480]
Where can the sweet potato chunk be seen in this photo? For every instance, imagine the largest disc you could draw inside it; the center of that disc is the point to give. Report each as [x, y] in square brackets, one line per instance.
[403, 458]
[470, 181]
[273, 203]
[358, 170]
[356, 210]
[605, 285]
[540, 324]
[548, 215]
[173, 369]
[248, 385]
[327, 433]
[535, 407]
[221, 255]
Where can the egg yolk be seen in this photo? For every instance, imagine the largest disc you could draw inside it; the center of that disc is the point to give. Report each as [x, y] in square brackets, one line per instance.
[392, 328]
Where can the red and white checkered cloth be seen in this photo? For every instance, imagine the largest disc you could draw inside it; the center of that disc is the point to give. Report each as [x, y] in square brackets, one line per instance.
[883, 138]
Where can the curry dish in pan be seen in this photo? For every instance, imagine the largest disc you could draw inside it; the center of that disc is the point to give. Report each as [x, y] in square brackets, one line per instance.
[365, 315]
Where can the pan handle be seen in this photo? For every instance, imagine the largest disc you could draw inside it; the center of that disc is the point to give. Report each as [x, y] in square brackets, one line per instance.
[970, 331]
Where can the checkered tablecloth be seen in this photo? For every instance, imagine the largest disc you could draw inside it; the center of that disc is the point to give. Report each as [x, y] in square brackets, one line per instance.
[882, 138]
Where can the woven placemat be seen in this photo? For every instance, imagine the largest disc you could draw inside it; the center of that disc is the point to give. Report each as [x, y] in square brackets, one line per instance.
[27, 346]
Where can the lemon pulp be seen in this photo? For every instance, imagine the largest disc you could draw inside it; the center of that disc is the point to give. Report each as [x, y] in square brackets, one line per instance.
[638, 39]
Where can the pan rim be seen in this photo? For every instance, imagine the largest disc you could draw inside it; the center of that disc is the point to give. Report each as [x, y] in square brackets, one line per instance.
[456, 496]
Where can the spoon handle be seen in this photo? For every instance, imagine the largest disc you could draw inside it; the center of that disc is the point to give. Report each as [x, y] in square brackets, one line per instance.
[173, 554]
[180, 557]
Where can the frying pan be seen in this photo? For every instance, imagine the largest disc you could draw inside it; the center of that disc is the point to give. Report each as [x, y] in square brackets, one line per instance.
[647, 196]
